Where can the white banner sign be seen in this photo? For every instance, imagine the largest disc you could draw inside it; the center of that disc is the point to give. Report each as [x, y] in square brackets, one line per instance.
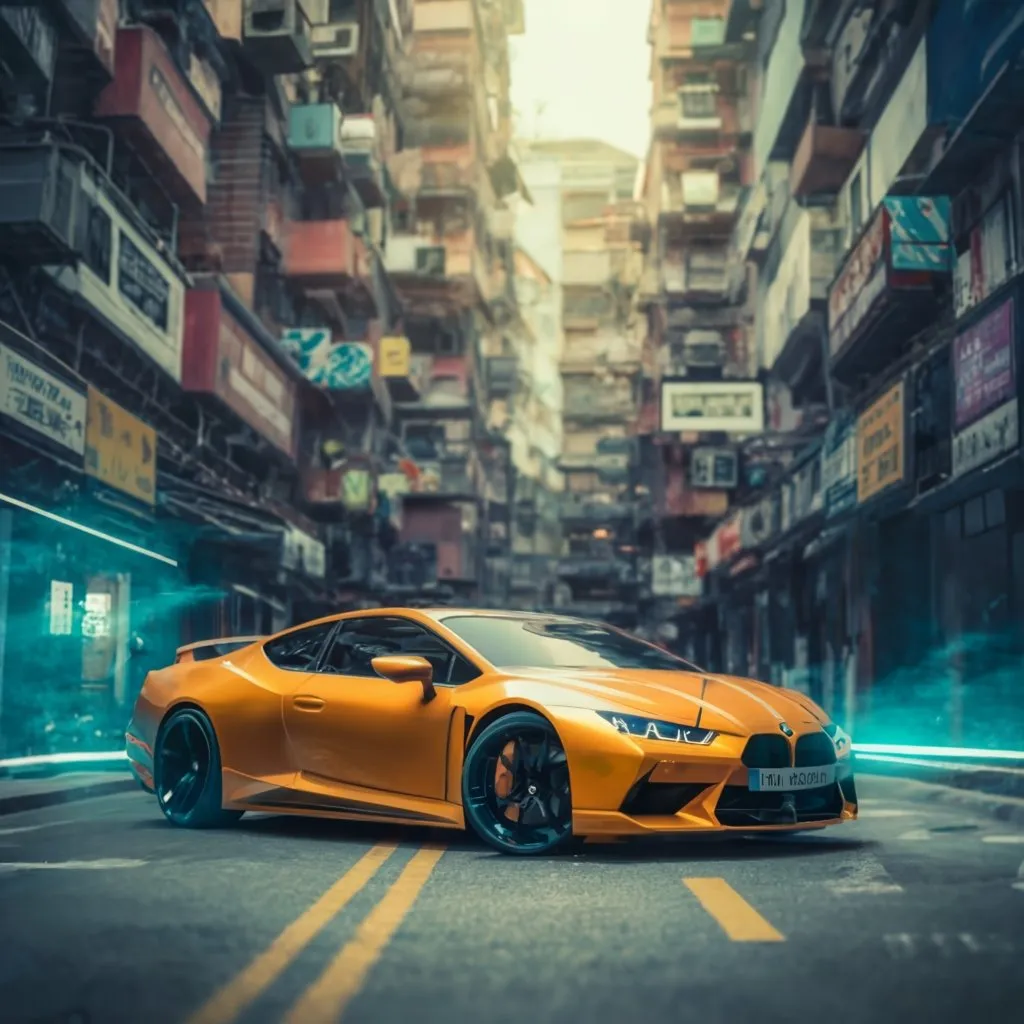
[39, 400]
[735, 407]
[302, 553]
[675, 576]
[993, 435]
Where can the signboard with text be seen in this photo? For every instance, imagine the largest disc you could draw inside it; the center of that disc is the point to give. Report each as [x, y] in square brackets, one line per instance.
[45, 404]
[983, 364]
[881, 457]
[120, 449]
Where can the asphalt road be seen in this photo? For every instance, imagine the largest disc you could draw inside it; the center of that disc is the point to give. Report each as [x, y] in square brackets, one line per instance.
[108, 915]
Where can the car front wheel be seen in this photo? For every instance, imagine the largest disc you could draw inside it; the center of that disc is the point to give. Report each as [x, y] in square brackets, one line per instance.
[515, 785]
[187, 772]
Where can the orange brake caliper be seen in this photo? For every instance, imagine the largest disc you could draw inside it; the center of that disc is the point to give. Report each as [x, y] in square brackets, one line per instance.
[504, 779]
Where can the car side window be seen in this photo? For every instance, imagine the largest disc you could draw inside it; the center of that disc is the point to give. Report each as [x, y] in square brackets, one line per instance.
[359, 641]
[298, 650]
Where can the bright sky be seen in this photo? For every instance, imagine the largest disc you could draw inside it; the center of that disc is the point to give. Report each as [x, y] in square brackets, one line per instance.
[581, 71]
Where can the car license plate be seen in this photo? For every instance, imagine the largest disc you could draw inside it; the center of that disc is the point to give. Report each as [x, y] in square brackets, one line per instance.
[789, 780]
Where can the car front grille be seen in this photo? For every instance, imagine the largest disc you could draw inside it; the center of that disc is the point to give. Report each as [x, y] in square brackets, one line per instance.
[814, 750]
[738, 807]
[766, 750]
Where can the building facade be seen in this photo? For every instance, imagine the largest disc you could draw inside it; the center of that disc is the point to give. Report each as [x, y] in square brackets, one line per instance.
[257, 301]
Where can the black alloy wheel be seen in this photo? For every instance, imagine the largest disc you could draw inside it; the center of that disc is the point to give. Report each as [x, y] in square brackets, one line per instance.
[515, 786]
[187, 772]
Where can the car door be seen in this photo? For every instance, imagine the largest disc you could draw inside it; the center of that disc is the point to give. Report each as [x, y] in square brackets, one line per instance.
[347, 724]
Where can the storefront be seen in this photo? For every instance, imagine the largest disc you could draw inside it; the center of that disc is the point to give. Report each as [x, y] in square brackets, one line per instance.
[82, 569]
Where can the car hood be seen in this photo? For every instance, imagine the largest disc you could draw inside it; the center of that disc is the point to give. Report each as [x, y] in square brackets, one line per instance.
[729, 704]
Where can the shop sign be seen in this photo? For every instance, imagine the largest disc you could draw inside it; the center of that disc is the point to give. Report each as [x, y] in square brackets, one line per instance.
[983, 364]
[148, 86]
[394, 485]
[731, 406]
[757, 524]
[36, 399]
[858, 285]
[725, 541]
[807, 498]
[988, 261]
[907, 243]
[839, 468]
[120, 450]
[301, 552]
[880, 444]
[395, 357]
[336, 366]
[716, 468]
[62, 608]
[223, 359]
[122, 277]
[986, 439]
[675, 576]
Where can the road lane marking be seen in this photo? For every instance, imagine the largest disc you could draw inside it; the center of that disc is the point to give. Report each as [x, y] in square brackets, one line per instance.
[889, 812]
[241, 991]
[109, 864]
[326, 999]
[740, 921]
[865, 877]
[1009, 840]
[915, 835]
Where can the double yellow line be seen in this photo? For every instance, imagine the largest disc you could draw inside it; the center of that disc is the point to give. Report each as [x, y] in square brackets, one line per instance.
[326, 999]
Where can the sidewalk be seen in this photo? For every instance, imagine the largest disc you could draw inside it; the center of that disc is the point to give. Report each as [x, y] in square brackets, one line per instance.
[995, 790]
[28, 794]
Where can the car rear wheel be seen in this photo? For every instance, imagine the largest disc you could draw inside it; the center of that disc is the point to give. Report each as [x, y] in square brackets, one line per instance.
[187, 772]
[515, 786]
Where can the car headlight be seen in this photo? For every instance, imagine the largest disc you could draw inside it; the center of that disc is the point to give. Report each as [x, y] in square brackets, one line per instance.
[655, 729]
[840, 737]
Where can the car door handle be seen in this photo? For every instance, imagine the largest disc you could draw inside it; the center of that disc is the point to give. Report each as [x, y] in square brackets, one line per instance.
[308, 703]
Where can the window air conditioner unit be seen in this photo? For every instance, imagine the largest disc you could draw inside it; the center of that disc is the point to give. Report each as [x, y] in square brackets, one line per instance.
[276, 36]
[431, 260]
[335, 39]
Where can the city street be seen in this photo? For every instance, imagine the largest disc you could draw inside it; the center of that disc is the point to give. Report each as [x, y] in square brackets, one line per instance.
[109, 915]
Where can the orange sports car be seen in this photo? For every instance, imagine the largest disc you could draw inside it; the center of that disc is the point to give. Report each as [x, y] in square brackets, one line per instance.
[528, 728]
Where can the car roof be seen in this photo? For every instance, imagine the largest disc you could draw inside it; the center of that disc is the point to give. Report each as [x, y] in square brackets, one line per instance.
[440, 614]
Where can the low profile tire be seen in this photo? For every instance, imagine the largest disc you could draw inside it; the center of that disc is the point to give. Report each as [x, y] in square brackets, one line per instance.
[187, 772]
[515, 786]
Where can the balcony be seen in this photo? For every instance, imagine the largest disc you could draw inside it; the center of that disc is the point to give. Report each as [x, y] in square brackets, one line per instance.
[697, 277]
[453, 170]
[587, 509]
[598, 405]
[586, 269]
[700, 203]
[429, 73]
[314, 136]
[406, 375]
[450, 477]
[40, 199]
[447, 16]
[688, 118]
[584, 352]
[586, 310]
[155, 110]
[451, 267]
[501, 373]
[324, 254]
[276, 36]
[823, 159]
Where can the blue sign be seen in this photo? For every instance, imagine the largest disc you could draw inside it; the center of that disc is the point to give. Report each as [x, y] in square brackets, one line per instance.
[919, 233]
[839, 466]
[337, 366]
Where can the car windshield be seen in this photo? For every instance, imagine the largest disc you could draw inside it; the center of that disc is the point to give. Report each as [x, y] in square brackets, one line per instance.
[538, 642]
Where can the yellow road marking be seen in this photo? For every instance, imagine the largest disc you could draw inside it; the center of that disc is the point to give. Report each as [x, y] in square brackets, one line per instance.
[246, 987]
[326, 1000]
[740, 921]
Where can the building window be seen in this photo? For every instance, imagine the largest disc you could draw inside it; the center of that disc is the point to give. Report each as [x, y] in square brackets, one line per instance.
[707, 31]
[699, 101]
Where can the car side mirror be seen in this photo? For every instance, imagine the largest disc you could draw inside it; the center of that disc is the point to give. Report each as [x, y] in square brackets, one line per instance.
[402, 668]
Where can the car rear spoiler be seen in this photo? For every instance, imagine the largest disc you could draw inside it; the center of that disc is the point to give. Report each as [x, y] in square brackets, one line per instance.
[204, 650]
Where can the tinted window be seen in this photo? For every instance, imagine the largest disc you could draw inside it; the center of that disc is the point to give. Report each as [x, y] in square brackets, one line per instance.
[538, 642]
[362, 640]
[297, 651]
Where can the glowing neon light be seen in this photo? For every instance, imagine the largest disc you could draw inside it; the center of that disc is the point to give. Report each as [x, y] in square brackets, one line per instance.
[88, 529]
[86, 757]
[952, 752]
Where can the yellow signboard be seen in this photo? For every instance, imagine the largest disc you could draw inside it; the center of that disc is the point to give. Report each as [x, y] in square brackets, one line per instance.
[120, 450]
[395, 357]
[880, 444]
